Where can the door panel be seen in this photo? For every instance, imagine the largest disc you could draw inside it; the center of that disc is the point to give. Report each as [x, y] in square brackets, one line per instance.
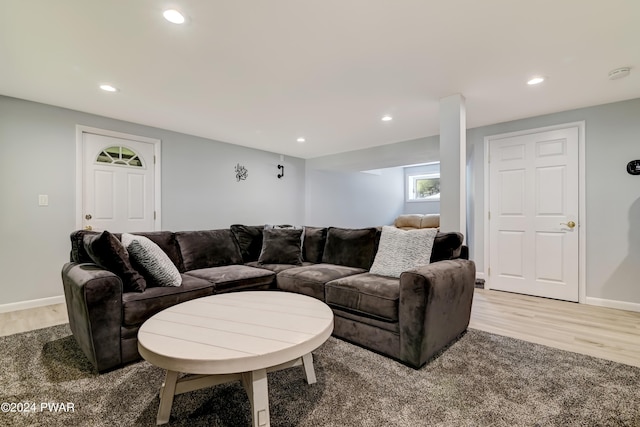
[102, 195]
[136, 196]
[511, 263]
[533, 194]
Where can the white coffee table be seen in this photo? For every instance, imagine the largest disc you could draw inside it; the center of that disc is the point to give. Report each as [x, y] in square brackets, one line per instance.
[235, 336]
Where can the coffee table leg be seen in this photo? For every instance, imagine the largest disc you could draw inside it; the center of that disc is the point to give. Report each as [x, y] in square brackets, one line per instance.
[309, 372]
[255, 383]
[167, 392]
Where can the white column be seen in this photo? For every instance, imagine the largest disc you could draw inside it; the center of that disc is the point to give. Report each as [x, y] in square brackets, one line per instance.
[453, 159]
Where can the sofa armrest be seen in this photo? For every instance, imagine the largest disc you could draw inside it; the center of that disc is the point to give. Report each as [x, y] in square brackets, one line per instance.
[94, 305]
[435, 308]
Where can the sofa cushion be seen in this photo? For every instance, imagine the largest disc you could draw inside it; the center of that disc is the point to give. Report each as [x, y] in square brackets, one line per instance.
[233, 277]
[350, 247]
[310, 280]
[313, 245]
[281, 246]
[138, 307]
[78, 252]
[401, 250]
[249, 238]
[211, 248]
[365, 294]
[408, 221]
[446, 246]
[106, 250]
[165, 239]
[151, 260]
[276, 268]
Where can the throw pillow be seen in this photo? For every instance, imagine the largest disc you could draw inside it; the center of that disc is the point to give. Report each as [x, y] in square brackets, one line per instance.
[401, 250]
[107, 251]
[152, 260]
[249, 239]
[208, 248]
[313, 244]
[350, 247]
[447, 246]
[281, 246]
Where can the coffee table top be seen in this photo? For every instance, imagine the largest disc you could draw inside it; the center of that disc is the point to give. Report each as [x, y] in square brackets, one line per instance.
[235, 332]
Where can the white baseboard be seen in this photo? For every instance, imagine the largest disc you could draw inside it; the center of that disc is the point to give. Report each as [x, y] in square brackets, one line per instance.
[609, 303]
[23, 305]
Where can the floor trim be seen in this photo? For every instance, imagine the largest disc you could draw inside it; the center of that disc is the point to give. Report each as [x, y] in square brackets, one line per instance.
[24, 305]
[610, 303]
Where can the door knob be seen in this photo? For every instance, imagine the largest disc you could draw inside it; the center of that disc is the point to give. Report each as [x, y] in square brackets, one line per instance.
[87, 216]
[569, 224]
[88, 227]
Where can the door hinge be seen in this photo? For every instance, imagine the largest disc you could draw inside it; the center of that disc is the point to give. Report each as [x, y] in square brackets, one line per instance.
[154, 159]
[489, 215]
[489, 271]
[154, 214]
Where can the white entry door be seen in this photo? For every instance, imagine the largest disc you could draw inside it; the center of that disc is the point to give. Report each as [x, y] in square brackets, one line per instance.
[533, 214]
[118, 184]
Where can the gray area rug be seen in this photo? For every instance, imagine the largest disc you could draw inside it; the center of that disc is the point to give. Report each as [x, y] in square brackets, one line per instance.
[481, 380]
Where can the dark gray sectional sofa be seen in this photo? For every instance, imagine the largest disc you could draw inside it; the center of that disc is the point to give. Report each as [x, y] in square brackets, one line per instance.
[409, 319]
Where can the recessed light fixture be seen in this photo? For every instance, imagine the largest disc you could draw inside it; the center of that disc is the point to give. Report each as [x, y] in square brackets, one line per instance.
[173, 16]
[301, 139]
[387, 118]
[535, 81]
[108, 88]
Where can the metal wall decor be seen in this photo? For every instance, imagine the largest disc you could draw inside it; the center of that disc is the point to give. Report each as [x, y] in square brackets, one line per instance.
[241, 172]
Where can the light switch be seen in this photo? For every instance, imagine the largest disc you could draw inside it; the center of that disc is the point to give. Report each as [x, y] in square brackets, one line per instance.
[43, 200]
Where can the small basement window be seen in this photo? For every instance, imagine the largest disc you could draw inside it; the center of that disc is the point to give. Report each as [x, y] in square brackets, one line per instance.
[122, 156]
[423, 188]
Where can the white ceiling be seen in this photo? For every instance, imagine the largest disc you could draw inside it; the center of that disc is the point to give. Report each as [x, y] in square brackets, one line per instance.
[262, 73]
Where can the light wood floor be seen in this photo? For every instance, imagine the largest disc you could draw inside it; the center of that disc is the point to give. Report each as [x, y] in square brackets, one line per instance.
[597, 331]
[33, 318]
[601, 332]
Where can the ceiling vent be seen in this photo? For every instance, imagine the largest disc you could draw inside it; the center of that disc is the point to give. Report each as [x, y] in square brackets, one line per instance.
[619, 73]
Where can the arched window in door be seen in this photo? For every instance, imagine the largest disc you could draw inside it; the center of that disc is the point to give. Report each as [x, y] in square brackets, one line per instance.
[118, 155]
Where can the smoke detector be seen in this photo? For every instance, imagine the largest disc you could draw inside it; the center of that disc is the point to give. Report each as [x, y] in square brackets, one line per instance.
[619, 73]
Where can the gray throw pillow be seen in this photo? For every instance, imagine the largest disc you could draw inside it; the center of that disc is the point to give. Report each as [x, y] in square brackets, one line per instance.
[152, 260]
[281, 246]
[401, 250]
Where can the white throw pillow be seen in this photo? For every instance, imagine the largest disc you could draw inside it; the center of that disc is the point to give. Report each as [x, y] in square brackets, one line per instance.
[152, 259]
[401, 250]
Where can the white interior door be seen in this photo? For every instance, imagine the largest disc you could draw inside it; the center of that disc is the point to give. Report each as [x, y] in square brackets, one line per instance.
[533, 214]
[118, 183]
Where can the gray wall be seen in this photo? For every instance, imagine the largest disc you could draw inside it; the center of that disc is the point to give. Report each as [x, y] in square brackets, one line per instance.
[353, 199]
[612, 195]
[37, 156]
[412, 152]
[199, 190]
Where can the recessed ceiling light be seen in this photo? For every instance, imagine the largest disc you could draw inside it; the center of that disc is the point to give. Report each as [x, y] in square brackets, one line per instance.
[174, 16]
[108, 88]
[387, 118]
[301, 139]
[535, 81]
